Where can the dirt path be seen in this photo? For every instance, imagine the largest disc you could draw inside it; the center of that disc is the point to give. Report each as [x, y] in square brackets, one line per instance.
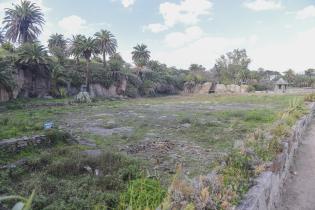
[299, 191]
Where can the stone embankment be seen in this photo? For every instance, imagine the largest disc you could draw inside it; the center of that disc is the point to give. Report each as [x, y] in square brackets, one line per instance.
[18, 144]
[266, 194]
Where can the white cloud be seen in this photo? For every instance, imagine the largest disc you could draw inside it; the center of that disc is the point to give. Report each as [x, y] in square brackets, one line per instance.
[72, 24]
[296, 53]
[204, 50]
[155, 27]
[187, 12]
[305, 13]
[127, 3]
[261, 5]
[177, 39]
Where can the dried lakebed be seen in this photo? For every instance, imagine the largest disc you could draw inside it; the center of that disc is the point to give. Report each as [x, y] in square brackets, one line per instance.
[164, 132]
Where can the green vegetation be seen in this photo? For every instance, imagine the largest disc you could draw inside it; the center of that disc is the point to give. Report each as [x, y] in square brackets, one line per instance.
[23, 204]
[142, 194]
[234, 173]
[65, 178]
[155, 133]
[215, 123]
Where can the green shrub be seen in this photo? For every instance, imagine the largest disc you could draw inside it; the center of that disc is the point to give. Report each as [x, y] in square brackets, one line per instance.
[251, 88]
[237, 174]
[57, 136]
[131, 91]
[142, 194]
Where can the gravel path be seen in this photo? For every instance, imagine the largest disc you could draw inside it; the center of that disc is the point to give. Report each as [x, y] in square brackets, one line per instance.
[299, 193]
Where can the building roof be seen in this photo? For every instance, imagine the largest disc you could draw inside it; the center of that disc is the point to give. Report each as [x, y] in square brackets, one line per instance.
[281, 82]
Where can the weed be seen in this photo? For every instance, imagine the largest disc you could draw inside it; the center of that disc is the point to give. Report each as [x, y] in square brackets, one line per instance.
[142, 193]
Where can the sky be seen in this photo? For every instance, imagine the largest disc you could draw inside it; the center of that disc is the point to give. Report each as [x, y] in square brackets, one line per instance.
[277, 34]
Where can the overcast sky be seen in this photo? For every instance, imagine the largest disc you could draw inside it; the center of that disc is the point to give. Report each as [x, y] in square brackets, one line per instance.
[277, 34]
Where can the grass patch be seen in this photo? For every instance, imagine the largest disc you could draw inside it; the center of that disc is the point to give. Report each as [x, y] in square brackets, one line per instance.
[142, 194]
[65, 179]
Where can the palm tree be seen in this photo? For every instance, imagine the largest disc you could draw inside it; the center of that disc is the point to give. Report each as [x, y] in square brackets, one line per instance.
[141, 56]
[33, 54]
[24, 22]
[34, 57]
[87, 47]
[106, 43]
[57, 46]
[75, 44]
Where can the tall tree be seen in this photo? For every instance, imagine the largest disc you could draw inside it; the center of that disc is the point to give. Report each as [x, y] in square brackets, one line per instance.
[289, 75]
[310, 73]
[232, 67]
[106, 43]
[57, 46]
[141, 56]
[23, 23]
[87, 47]
[196, 67]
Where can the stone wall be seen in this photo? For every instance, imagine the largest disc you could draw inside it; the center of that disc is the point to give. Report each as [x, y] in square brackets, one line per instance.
[4, 94]
[221, 88]
[115, 90]
[266, 194]
[17, 144]
[27, 86]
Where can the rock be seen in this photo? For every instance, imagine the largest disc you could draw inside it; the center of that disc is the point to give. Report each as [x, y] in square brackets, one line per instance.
[48, 97]
[186, 125]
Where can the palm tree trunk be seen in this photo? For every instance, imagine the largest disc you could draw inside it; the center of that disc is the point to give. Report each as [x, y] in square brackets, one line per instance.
[87, 76]
[104, 59]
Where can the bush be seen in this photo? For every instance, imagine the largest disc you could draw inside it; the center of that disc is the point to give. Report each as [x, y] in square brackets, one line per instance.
[142, 194]
[131, 91]
[83, 97]
[237, 172]
[251, 88]
[261, 87]
[310, 97]
[65, 178]
[57, 136]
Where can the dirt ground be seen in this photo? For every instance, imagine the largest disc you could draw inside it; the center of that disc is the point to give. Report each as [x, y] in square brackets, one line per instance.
[299, 192]
[168, 132]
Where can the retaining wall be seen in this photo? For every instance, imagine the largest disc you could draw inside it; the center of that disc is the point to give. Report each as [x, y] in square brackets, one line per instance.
[266, 194]
[17, 144]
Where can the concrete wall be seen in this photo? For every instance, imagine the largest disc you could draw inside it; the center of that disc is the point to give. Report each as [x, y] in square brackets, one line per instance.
[266, 194]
